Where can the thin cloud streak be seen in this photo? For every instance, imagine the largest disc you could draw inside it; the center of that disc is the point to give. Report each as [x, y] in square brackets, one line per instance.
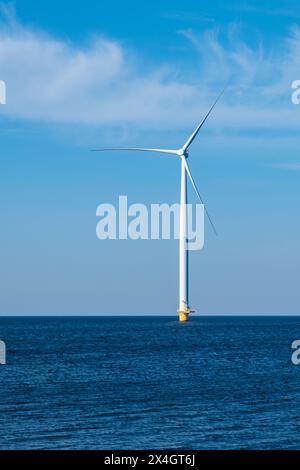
[288, 166]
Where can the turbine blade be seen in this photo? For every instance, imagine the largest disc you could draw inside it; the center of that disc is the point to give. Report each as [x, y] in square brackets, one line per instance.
[194, 134]
[198, 194]
[137, 149]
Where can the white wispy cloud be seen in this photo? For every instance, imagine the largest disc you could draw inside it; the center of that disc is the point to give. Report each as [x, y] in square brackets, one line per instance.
[102, 83]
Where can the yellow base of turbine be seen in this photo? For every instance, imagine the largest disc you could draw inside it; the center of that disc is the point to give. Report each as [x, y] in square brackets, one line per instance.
[184, 314]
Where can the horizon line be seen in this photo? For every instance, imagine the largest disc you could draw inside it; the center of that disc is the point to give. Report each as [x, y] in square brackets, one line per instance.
[118, 315]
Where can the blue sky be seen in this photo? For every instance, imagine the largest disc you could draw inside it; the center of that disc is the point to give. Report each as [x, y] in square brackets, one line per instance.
[130, 73]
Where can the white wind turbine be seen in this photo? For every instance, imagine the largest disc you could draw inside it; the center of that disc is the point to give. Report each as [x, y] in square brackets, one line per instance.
[184, 308]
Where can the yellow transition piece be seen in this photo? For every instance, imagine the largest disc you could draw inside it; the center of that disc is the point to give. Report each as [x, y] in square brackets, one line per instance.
[184, 314]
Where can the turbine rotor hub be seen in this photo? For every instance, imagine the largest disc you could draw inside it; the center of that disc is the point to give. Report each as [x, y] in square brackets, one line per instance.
[183, 153]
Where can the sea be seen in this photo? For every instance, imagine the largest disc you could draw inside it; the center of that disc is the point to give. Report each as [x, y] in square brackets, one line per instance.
[149, 383]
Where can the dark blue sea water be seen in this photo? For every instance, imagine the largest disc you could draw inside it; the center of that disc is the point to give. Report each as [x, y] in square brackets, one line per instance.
[149, 382]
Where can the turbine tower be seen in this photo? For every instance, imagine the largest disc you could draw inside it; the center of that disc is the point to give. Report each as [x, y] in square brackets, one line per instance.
[184, 307]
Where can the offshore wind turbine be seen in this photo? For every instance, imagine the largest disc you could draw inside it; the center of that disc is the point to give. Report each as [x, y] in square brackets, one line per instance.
[184, 307]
